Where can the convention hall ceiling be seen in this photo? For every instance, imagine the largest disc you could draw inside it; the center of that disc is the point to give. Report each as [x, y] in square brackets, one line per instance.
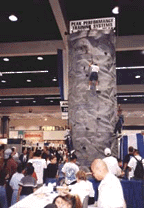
[29, 72]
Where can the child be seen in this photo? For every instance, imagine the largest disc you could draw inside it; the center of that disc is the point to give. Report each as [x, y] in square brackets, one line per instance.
[27, 184]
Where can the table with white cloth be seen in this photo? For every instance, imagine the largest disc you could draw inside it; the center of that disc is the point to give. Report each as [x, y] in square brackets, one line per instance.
[39, 199]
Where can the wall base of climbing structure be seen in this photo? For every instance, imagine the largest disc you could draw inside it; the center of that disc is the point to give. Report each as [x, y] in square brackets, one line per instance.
[92, 114]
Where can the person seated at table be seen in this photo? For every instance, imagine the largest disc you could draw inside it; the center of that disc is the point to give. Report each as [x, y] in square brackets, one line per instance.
[83, 187]
[68, 201]
[27, 184]
[70, 169]
[51, 206]
[50, 175]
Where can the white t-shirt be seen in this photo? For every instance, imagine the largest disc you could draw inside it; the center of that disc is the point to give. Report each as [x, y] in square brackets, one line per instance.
[83, 189]
[16, 178]
[94, 68]
[110, 193]
[132, 164]
[39, 166]
[112, 165]
[70, 169]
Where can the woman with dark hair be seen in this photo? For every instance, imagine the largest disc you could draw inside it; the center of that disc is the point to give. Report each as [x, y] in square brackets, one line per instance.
[51, 171]
[68, 201]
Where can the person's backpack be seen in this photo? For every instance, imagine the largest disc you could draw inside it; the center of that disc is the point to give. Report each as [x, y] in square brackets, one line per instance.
[139, 170]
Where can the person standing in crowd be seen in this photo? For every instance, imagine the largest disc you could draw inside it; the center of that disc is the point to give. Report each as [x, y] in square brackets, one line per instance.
[14, 183]
[3, 196]
[39, 165]
[70, 169]
[110, 193]
[27, 184]
[126, 160]
[11, 168]
[83, 187]
[24, 157]
[112, 163]
[132, 166]
[15, 154]
[51, 171]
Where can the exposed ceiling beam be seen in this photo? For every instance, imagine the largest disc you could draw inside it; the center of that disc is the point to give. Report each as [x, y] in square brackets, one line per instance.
[130, 88]
[30, 91]
[123, 43]
[128, 43]
[57, 11]
[31, 48]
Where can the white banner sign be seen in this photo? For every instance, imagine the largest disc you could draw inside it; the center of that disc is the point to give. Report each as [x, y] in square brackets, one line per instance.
[91, 24]
[64, 109]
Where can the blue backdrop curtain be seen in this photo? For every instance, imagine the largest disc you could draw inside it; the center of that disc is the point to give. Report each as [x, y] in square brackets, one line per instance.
[60, 72]
[124, 145]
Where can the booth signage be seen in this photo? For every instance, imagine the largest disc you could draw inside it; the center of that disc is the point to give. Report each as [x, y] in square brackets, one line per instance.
[35, 136]
[64, 109]
[91, 24]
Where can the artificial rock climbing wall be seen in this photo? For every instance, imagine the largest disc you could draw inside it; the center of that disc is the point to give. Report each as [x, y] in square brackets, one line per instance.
[92, 115]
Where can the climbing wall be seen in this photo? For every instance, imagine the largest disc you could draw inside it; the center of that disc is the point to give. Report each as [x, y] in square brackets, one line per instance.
[92, 115]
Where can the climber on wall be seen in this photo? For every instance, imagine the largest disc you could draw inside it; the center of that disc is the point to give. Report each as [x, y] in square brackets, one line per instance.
[94, 69]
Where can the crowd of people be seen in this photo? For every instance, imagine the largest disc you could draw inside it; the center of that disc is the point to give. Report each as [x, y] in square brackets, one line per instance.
[21, 175]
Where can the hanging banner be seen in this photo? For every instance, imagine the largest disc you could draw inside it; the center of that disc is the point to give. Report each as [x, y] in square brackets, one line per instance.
[64, 109]
[91, 24]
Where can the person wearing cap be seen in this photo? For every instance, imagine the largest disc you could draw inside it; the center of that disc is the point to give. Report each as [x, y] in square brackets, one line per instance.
[112, 163]
[110, 192]
[11, 164]
[70, 169]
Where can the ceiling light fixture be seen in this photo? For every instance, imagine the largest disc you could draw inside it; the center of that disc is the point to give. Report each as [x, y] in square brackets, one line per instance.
[125, 99]
[54, 79]
[5, 59]
[130, 67]
[16, 101]
[28, 80]
[13, 18]
[49, 98]
[17, 98]
[34, 101]
[115, 10]
[51, 101]
[137, 76]
[25, 72]
[39, 58]
[3, 81]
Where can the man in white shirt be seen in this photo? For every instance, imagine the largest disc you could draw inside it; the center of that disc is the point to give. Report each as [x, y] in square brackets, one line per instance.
[112, 163]
[39, 165]
[110, 193]
[133, 162]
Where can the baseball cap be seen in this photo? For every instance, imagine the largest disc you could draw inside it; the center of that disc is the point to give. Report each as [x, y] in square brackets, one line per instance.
[107, 151]
[7, 153]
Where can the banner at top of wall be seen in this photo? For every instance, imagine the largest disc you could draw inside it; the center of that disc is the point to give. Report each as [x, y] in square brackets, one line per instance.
[90, 24]
[64, 109]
